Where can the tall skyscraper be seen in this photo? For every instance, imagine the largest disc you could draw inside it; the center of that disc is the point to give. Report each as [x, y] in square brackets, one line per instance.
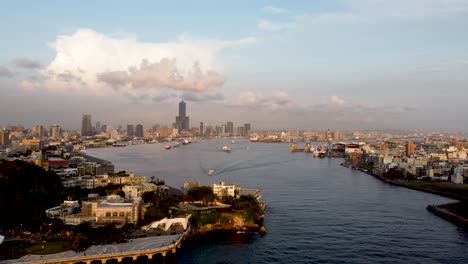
[247, 129]
[55, 131]
[202, 129]
[182, 120]
[130, 131]
[37, 131]
[86, 127]
[410, 149]
[139, 130]
[229, 128]
[5, 138]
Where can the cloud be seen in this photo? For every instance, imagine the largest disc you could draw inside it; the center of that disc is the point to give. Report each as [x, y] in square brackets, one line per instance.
[275, 10]
[94, 63]
[197, 97]
[252, 100]
[336, 100]
[368, 11]
[5, 72]
[26, 63]
[267, 25]
[27, 86]
[164, 74]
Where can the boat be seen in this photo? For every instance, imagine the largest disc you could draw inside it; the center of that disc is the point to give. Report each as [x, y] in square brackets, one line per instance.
[167, 146]
[316, 153]
[210, 172]
[307, 148]
[186, 142]
[233, 141]
[119, 145]
[176, 144]
[293, 147]
[227, 149]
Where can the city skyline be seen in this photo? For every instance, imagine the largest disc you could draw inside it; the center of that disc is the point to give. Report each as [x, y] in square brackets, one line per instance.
[324, 64]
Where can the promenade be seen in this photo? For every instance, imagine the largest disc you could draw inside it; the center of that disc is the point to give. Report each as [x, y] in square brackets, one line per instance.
[146, 247]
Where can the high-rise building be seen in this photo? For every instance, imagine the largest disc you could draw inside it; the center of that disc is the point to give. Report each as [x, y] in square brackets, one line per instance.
[410, 148]
[202, 129]
[383, 149]
[247, 129]
[98, 127]
[229, 128]
[55, 131]
[139, 130]
[130, 131]
[86, 127]
[5, 138]
[182, 120]
[37, 131]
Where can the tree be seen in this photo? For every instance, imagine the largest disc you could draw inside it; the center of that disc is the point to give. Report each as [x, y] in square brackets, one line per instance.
[197, 193]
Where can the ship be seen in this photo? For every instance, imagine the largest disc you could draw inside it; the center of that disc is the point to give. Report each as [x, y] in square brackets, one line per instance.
[210, 172]
[227, 149]
[293, 147]
[167, 146]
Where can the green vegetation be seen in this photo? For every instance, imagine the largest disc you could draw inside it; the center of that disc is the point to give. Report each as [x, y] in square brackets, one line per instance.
[199, 193]
[199, 219]
[449, 188]
[26, 191]
[13, 249]
[50, 248]
[160, 206]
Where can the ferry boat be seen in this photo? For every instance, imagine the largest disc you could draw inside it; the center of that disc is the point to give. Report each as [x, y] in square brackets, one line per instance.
[167, 146]
[227, 149]
[210, 172]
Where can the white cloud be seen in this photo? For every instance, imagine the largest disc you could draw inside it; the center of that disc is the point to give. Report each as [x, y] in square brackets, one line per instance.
[275, 10]
[336, 100]
[268, 25]
[253, 100]
[91, 62]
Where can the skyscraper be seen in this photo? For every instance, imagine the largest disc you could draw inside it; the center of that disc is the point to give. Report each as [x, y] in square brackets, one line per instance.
[182, 120]
[246, 129]
[229, 128]
[86, 127]
[410, 149]
[37, 131]
[139, 130]
[202, 129]
[130, 131]
[55, 131]
[5, 137]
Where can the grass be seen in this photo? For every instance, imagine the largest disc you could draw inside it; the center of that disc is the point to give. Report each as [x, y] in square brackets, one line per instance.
[18, 248]
[439, 186]
[50, 248]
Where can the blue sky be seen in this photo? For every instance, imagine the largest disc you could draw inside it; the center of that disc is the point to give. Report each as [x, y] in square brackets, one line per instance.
[347, 64]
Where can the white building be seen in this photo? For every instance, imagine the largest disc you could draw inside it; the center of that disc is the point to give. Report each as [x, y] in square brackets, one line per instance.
[133, 191]
[223, 189]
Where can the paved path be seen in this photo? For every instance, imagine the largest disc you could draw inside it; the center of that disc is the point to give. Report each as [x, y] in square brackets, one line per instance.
[145, 243]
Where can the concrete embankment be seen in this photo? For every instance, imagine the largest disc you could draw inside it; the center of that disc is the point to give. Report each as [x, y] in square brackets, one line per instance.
[447, 215]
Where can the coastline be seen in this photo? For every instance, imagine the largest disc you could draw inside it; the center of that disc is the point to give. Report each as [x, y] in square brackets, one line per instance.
[438, 210]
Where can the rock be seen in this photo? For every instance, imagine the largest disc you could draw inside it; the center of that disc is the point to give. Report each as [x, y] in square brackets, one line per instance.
[262, 231]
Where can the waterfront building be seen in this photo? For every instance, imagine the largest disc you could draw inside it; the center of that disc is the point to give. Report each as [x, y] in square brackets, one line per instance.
[86, 127]
[111, 209]
[137, 190]
[247, 129]
[223, 189]
[139, 131]
[130, 131]
[229, 128]
[182, 120]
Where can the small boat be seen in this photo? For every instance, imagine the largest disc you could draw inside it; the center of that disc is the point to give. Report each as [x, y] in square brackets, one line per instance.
[307, 148]
[293, 147]
[227, 149]
[176, 144]
[186, 142]
[167, 146]
[233, 141]
[210, 172]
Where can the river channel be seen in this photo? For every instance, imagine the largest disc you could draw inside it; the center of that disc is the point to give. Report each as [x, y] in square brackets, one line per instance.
[318, 211]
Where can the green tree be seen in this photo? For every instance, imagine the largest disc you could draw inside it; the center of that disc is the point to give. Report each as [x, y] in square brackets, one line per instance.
[197, 193]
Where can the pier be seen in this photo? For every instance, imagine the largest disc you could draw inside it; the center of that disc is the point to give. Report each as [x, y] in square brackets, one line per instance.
[139, 248]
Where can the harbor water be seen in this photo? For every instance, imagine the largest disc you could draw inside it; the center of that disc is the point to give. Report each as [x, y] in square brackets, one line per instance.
[318, 211]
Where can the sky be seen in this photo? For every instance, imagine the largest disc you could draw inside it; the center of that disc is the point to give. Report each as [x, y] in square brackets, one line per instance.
[340, 64]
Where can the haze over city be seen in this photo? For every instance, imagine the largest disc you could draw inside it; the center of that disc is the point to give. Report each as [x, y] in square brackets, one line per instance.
[310, 64]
